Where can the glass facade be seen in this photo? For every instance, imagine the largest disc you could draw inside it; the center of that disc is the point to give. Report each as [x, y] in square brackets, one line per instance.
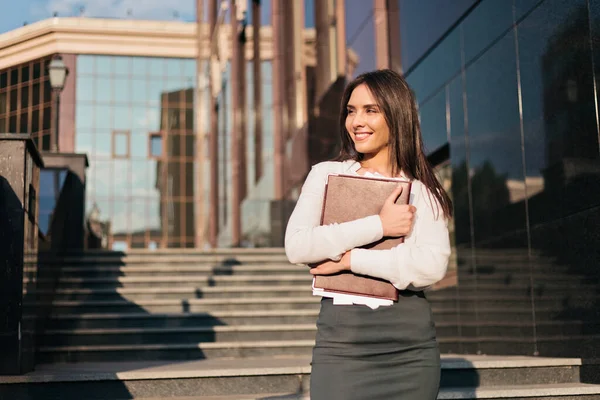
[135, 120]
[514, 96]
[360, 34]
[26, 101]
[256, 219]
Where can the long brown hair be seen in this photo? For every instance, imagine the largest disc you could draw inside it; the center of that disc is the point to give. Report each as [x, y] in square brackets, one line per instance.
[397, 101]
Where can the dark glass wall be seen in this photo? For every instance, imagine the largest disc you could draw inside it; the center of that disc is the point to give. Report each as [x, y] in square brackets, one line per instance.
[512, 90]
[437, 16]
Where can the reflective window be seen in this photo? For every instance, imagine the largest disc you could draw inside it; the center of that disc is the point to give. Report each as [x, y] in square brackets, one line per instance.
[156, 145]
[360, 35]
[122, 66]
[522, 7]
[559, 112]
[309, 13]
[458, 158]
[489, 21]
[495, 140]
[439, 67]
[121, 103]
[120, 143]
[433, 122]
[85, 89]
[24, 89]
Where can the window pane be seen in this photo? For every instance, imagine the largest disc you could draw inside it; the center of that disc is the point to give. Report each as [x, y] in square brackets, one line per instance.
[139, 67]
[360, 34]
[84, 116]
[438, 68]
[102, 143]
[85, 89]
[35, 121]
[37, 70]
[558, 109]
[103, 65]
[103, 90]
[25, 71]
[524, 6]
[156, 146]
[121, 90]
[138, 91]
[495, 142]
[103, 116]
[23, 123]
[154, 91]
[121, 145]
[83, 142]
[13, 100]
[121, 178]
[139, 144]
[157, 67]
[174, 68]
[487, 22]
[46, 118]
[14, 76]
[36, 95]
[433, 122]
[122, 118]
[458, 152]
[189, 68]
[122, 66]
[24, 97]
[85, 65]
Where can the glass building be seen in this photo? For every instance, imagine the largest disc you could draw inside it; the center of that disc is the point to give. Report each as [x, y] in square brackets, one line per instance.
[509, 111]
[197, 135]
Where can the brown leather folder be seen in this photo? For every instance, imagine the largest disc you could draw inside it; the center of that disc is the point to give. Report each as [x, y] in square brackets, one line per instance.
[350, 197]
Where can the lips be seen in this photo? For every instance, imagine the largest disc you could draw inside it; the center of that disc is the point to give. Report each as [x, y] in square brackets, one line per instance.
[361, 136]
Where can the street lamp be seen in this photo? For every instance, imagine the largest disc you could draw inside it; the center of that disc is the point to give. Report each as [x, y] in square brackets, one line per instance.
[58, 74]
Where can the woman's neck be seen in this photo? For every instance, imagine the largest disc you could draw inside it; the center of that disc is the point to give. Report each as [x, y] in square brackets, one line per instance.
[378, 162]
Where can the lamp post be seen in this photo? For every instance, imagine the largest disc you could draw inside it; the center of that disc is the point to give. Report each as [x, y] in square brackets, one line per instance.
[58, 74]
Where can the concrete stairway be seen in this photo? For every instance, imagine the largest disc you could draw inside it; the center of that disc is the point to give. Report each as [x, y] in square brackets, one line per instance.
[182, 304]
[242, 322]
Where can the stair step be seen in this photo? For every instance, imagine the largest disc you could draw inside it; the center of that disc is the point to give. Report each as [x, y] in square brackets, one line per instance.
[523, 392]
[463, 377]
[180, 270]
[185, 351]
[176, 280]
[168, 259]
[133, 320]
[179, 335]
[209, 332]
[179, 292]
[186, 305]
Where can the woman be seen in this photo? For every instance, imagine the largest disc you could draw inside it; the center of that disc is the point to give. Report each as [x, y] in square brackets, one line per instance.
[389, 352]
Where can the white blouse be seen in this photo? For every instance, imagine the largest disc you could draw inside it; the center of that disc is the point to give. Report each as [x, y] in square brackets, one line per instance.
[416, 264]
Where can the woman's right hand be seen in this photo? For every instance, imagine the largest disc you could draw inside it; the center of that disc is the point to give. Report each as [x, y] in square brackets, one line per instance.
[396, 219]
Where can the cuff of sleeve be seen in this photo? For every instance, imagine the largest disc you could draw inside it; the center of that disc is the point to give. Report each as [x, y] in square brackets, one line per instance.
[360, 262]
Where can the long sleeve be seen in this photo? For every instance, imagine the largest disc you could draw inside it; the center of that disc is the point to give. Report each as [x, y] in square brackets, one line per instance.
[308, 242]
[421, 260]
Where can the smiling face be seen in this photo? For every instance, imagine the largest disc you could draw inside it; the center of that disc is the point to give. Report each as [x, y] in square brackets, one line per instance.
[366, 124]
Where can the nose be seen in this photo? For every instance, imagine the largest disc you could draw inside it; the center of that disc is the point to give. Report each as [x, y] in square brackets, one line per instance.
[358, 120]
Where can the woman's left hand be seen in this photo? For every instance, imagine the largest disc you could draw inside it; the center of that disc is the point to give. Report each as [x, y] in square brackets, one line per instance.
[332, 267]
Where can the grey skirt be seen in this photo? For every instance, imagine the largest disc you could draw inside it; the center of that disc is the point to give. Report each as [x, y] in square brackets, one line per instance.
[364, 354]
